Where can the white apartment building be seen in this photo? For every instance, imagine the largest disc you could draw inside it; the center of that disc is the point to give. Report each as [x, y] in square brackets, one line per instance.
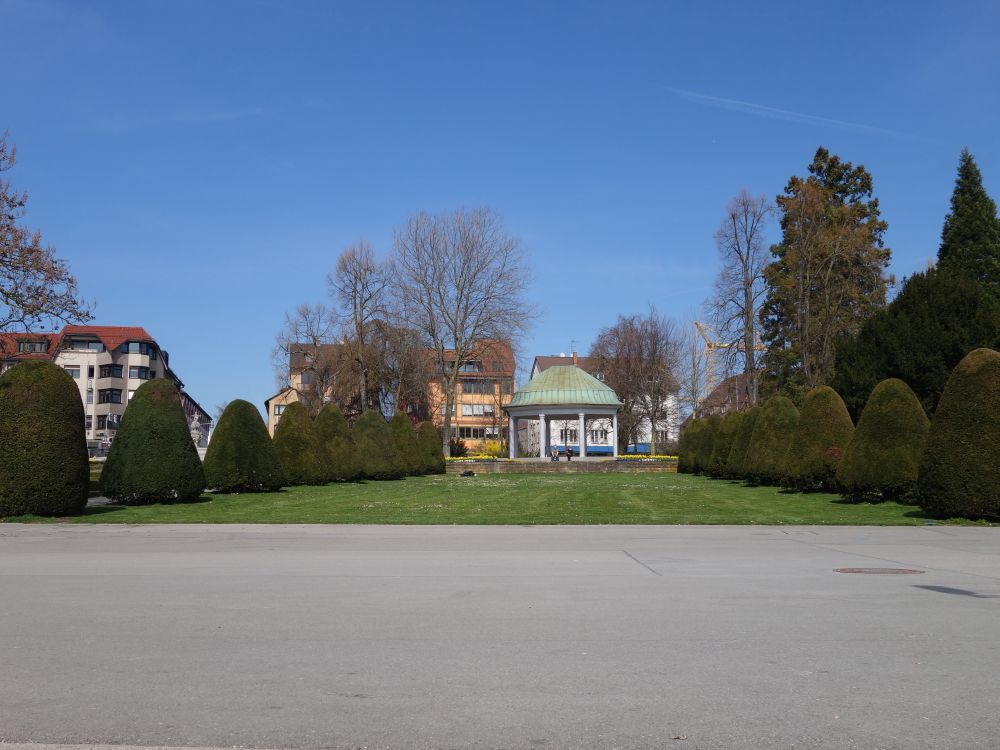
[108, 364]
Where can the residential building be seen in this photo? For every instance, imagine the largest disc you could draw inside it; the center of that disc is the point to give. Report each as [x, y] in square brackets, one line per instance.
[731, 394]
[485, 384]
[108, 364]
[599, 431]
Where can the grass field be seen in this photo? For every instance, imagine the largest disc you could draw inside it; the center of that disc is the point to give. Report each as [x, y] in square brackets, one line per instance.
[519, 499]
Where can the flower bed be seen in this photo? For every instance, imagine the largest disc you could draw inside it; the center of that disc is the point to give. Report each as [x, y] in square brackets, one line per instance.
[642, 458]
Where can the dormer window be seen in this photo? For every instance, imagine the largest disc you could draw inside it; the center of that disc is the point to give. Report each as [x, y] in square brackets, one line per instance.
[471, 365]
[32, 347]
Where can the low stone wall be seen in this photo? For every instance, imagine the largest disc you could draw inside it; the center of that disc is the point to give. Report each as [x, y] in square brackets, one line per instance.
[563, 467]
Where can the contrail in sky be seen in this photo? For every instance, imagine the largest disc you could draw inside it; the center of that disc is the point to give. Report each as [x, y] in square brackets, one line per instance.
[781, 114]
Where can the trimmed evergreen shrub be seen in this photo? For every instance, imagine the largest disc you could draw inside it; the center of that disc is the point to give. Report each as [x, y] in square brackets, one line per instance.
[379, 457]
[153, 458]
[736, 463]
[43, 448]
[687, 451]
[241, 456]
[706, 443]
[340, 457]
[959, 471]
[819, 441]
[405, 440]
[299, 452]
[429, 443]
[724, 443]
[769, 443]
[881, 462]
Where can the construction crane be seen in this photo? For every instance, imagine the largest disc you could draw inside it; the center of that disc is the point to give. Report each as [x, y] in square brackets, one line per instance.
[711, 347]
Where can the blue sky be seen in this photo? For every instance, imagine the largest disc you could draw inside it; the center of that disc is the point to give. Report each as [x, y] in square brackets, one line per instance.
[200, 165]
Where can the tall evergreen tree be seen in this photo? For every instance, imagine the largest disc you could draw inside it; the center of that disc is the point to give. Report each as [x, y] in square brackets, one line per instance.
[828, 274]
[970, 240]
[936, 319]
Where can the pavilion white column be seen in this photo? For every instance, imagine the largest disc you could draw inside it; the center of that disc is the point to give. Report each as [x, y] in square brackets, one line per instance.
[614, 435]
[583, 436]
[541, 436]
[511, 436]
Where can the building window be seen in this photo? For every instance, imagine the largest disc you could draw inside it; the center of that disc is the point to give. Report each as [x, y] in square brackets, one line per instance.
[306, 378]
[506, 387]
[138, 347]
[662, 436]
[90, 371]
[32, 347]
[567, 436]
[444, 409]
[472, 433]
[141, 373]
[90, 395]
[480, 387]
[109, 396]
[108, 421]
[278, 409]
[598, 436]
[471, 366]
[74, 371]
[111, 371]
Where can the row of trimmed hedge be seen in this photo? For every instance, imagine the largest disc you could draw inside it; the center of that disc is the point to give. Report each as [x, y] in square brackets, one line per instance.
[327, 449]
[951, 466]
[43, 449]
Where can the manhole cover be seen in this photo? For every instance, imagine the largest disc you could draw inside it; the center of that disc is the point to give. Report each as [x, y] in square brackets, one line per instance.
[879, 571]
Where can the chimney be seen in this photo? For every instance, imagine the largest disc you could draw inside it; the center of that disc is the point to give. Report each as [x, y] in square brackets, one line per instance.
[574, 359]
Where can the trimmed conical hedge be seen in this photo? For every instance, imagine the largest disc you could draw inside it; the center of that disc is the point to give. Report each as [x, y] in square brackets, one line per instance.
[379, 457]
[960, 468]
[687, 447]
[43, 446]
[298, 449]
[153, 458]
[728, 428]
[821, 436]
[736, 463]
[706, 443]
[429, 444]
[241, 456]
[881, 462]
[405, 439]
[772, 434]
[341, 461]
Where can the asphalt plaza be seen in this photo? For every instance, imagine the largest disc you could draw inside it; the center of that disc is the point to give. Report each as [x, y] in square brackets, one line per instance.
[549, 636]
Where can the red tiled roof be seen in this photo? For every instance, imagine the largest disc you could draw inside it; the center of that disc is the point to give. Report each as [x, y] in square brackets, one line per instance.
[731, 393]
[111, 336]
[8, 345]
[543, 363]
[497, 357]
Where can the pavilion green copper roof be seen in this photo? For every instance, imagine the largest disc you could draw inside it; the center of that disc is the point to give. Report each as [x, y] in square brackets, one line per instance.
[564, 385]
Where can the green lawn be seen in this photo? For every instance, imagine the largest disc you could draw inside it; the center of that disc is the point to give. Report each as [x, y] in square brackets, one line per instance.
[519, 499]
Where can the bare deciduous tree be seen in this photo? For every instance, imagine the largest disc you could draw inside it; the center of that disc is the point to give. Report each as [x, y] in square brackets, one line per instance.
[740, 287]
[359, 286]
[460, 280]
[306, 348]
[638, 357]
[35, 287]
[693, 371]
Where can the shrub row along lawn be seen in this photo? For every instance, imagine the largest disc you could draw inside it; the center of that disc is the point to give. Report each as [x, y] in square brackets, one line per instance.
[519, 499]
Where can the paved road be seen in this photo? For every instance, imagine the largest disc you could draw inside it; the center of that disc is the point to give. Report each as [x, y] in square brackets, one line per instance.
[686, 637]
